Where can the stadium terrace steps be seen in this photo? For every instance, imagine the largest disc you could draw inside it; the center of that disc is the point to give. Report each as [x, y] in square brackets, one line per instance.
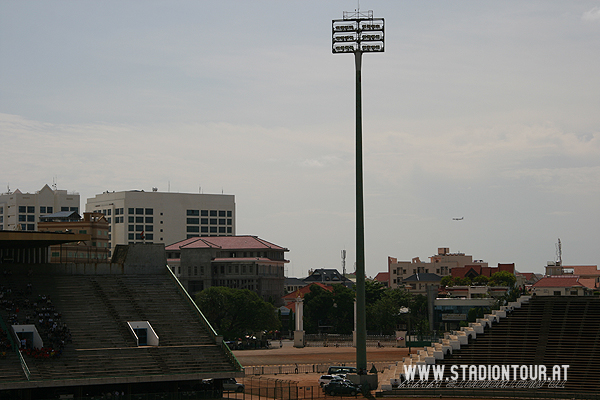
[96, 310]
[547, 331]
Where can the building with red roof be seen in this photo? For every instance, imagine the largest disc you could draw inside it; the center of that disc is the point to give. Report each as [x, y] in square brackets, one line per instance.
[440, 264]
[240, 262]
[383, 278]
[560, 285]
[474, 270]
[590, 274]
[290, 298]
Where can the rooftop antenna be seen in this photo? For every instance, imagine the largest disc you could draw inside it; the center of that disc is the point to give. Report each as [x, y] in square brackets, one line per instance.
[54, 185]
[344, 262]
[559, 253]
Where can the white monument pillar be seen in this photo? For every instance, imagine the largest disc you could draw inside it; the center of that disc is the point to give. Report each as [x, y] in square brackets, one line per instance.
[299, 332]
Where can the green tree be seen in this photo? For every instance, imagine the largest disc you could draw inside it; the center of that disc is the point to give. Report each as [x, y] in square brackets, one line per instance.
[503, 278]
[325, 308]
[374, 291]
[447, 281]
[234, 313]
[480, 280]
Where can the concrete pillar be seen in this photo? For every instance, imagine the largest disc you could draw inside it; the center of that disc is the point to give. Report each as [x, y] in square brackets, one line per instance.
[299, 332]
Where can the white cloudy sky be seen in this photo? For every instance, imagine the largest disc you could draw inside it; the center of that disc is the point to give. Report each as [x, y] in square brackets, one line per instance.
[485, 110]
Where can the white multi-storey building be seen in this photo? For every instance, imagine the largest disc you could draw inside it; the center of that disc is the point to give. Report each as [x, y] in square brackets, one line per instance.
[137, 216]
[22, 211]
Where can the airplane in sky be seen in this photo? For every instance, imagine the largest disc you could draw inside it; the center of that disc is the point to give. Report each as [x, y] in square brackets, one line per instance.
[458, 219]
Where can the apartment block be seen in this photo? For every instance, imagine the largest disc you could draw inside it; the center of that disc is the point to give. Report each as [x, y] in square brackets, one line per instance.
[22, 211]
[439, 264]
[94, 250]
[239, 262]
[137, 216]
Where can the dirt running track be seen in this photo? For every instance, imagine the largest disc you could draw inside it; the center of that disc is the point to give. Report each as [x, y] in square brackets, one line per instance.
[289, 355]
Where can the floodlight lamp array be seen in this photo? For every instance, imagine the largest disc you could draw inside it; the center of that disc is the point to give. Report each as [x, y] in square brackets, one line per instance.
[364, 34]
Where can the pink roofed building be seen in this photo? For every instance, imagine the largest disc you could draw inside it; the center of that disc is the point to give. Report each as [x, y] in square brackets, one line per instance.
[290, 298]
[240, 262]
[561, 285]
[589, 275]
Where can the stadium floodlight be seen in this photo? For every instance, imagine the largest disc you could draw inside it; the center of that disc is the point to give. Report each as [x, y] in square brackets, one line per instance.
[358, 33]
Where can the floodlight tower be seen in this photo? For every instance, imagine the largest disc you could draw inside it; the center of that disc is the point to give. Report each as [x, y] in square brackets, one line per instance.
[358, 33]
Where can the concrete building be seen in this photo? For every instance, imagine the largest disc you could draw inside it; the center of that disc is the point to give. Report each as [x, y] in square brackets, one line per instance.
[328, 276]
[94, 250]
[22, 211]
[589, 275]
[420, 282]
[137, 216]
[440, 264]
[561, 285]
[240, 262]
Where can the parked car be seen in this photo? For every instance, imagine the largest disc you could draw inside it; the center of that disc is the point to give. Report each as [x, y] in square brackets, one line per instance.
[231, 385]
[325, 379]
[337, 388]
[341, 369]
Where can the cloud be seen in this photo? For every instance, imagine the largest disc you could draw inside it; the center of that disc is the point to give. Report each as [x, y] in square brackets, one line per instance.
[591, 15]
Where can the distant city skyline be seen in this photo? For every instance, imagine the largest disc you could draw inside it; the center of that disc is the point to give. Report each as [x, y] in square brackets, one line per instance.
[487, 111]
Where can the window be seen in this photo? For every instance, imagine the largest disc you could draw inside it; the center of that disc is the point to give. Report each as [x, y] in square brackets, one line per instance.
[149, 220]
[221, 221]
[22, 209]
[42, 210]
[229, 221]
[204, 213]
[23, 218]
[229, 230]
[229, 214]
[204, 229]
[149, 211]
[193, 221]
[193, 212]
[139, 228]
[213, 213]
[83, 231]
[221, 213]
[204, 221]
[139, 220]
[213, 221]
[149, 228]
[64, 209]
[130, 228]
[213, 229]
[108, 211]
[150, 236]
[117, 211]
[31, 209]
[131, 219]
[49, 210]
[139, 211]
[76, 209]
[222, 229]
[193, 229]
[30, 227]
[130, 211]
[108, 219]
[195, 270]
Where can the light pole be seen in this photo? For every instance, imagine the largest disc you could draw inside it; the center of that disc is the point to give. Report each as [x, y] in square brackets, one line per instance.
[358, 33]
